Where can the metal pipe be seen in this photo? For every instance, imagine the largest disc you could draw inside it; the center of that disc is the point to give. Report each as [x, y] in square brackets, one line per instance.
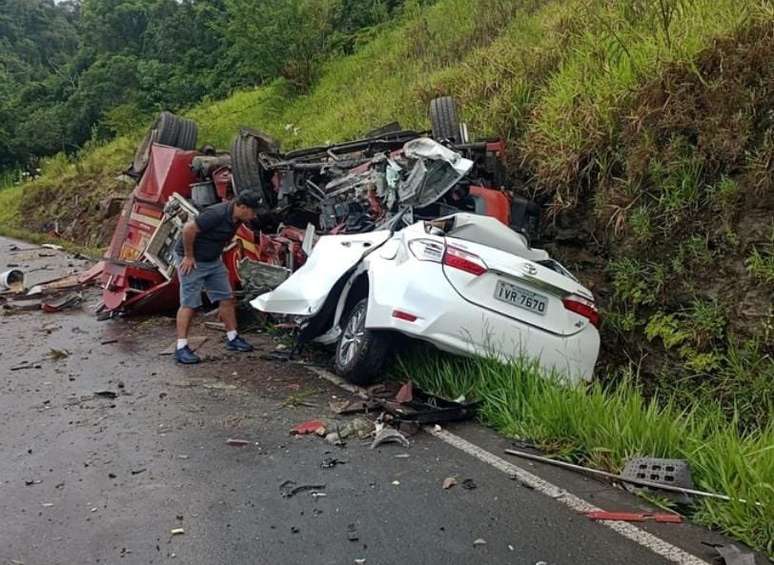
[639, 482]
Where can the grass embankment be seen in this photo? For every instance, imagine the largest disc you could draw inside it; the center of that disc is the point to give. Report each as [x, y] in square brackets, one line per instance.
[604, 426]
[646, 130]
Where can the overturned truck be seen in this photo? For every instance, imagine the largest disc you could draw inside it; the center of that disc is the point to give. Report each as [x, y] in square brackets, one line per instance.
[331, 213]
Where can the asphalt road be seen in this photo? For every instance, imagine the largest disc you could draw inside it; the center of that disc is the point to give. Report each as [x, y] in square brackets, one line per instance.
[89, 479]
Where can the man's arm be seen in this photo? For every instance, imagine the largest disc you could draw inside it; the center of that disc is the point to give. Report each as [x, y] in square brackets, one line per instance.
[188, 264]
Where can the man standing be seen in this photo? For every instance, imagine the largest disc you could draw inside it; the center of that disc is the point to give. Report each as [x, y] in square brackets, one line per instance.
[200, 267]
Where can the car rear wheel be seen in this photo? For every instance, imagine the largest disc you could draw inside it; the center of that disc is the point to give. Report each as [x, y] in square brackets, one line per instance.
[361, 354]
[444, 120]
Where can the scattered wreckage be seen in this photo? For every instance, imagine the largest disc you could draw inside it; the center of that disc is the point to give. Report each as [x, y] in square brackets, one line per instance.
[398, 231]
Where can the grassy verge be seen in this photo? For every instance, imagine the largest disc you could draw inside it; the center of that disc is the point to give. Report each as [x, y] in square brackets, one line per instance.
[604, 426]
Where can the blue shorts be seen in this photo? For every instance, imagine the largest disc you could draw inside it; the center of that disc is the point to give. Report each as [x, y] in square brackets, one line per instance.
[210, 276]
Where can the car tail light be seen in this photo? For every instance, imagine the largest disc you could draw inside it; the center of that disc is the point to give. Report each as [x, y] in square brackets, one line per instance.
[464, 261]
[584, 307]
[426, 249]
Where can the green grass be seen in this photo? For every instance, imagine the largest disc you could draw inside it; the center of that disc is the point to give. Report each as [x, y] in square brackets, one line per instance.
[604, 426]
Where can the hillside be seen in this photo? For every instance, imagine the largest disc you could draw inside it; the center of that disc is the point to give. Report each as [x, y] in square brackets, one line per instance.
[646, 130]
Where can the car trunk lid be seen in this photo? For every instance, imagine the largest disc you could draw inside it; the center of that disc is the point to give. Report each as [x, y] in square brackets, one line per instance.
[517, 287]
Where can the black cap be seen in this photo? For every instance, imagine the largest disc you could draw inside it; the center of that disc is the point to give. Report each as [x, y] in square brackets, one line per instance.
[250, 199]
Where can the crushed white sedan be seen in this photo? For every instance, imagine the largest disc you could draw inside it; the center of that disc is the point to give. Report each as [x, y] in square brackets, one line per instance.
[465, 283]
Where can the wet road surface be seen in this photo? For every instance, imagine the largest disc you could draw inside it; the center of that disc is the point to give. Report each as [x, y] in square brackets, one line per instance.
[86, 478]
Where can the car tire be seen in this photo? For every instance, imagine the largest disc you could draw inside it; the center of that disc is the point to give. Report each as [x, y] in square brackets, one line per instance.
[246, 170]
[444, 120]
[361, 354]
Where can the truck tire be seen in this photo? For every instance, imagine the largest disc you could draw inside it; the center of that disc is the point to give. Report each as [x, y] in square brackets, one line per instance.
[166, 130]
[361, 354]
[168, 126]
[186, 138]
[246, 170]
[443, 119]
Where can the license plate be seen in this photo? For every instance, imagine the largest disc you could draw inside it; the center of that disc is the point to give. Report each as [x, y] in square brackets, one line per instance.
[521, 297]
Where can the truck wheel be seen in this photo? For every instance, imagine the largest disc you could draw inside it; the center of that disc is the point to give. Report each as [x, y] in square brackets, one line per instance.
[444, 120]
[168, 129]
[168, 126]
[186, 138]
[361, 354]
[246, 170]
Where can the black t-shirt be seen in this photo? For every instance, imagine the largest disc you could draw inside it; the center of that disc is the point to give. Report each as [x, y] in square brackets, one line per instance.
[216, 229]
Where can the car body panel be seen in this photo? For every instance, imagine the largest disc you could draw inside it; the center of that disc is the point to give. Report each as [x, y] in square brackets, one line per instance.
[304, 293]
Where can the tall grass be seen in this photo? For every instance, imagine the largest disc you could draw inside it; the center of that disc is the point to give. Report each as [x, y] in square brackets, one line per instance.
[604, 426]
[624, 44]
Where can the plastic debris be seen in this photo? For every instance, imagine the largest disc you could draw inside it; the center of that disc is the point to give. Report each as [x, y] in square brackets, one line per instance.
[406, 393]
[177, 531]
[359, 427]
[469, 484]
[309, 427]
[331, 462]
[449, 482]
[344, 407]
[389, 435]
[237, 442]
[732, 555]
[479, 541]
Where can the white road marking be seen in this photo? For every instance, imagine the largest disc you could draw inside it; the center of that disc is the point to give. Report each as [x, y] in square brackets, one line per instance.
[627, 530]
[635, 534]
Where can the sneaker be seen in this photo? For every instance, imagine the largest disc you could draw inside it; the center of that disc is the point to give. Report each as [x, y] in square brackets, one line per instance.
[238, 344]
[185, 356]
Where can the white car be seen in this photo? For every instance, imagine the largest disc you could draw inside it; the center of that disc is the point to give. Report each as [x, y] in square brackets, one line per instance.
[466, 283]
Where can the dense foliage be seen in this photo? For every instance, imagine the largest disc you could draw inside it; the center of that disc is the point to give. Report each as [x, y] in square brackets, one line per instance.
[91, 69]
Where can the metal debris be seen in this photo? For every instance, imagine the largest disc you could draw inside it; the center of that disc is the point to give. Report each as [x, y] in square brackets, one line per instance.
[288, 489]
[68, 301]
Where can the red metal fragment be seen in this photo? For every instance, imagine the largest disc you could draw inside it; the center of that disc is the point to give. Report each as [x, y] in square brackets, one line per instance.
[635, 517]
